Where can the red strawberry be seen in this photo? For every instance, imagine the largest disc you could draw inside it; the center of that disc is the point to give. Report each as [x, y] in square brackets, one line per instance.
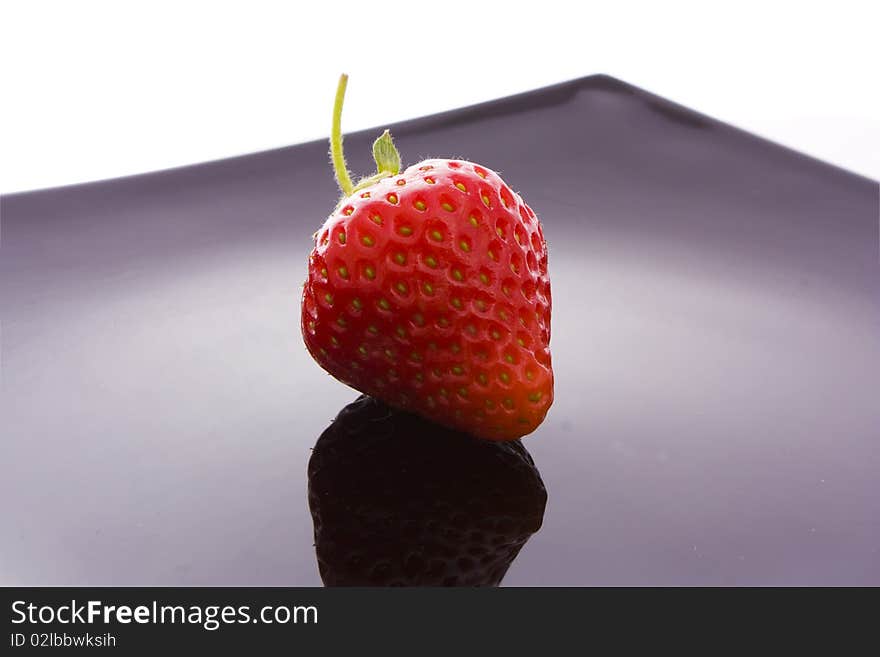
[429, 290]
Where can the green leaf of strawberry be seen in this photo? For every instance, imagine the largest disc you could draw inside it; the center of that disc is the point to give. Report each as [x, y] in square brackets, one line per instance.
[428, 289]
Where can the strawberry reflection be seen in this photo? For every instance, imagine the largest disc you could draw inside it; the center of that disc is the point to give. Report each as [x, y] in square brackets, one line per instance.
[397, 500]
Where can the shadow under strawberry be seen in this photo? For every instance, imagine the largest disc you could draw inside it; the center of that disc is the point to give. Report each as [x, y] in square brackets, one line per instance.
[397, 500]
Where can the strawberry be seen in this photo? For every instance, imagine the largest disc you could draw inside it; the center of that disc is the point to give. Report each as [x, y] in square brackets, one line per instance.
[428, 289]
[398, 500]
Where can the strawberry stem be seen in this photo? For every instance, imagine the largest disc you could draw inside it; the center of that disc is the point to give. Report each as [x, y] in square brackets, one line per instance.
[384, 152]
[340, 169]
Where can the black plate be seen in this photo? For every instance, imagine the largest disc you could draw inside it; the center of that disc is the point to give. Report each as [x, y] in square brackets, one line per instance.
[715, 343]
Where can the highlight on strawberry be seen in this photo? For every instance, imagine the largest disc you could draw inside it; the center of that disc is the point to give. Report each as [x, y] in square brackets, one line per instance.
[428, 289]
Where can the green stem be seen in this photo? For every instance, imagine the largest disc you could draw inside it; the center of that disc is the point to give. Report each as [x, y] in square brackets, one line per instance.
[384, 152]
[343, 178]
[370, 180]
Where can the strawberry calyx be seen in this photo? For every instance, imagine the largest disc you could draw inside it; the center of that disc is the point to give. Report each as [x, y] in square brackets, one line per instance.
[385, 153]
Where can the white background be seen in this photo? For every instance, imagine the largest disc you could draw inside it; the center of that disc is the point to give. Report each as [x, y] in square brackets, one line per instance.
[93, 90]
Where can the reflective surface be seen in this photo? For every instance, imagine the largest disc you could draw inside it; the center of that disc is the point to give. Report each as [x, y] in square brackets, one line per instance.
[716, 343]
[400, 501]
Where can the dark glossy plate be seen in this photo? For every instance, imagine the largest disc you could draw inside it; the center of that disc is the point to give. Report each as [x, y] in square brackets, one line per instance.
[716, 343]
